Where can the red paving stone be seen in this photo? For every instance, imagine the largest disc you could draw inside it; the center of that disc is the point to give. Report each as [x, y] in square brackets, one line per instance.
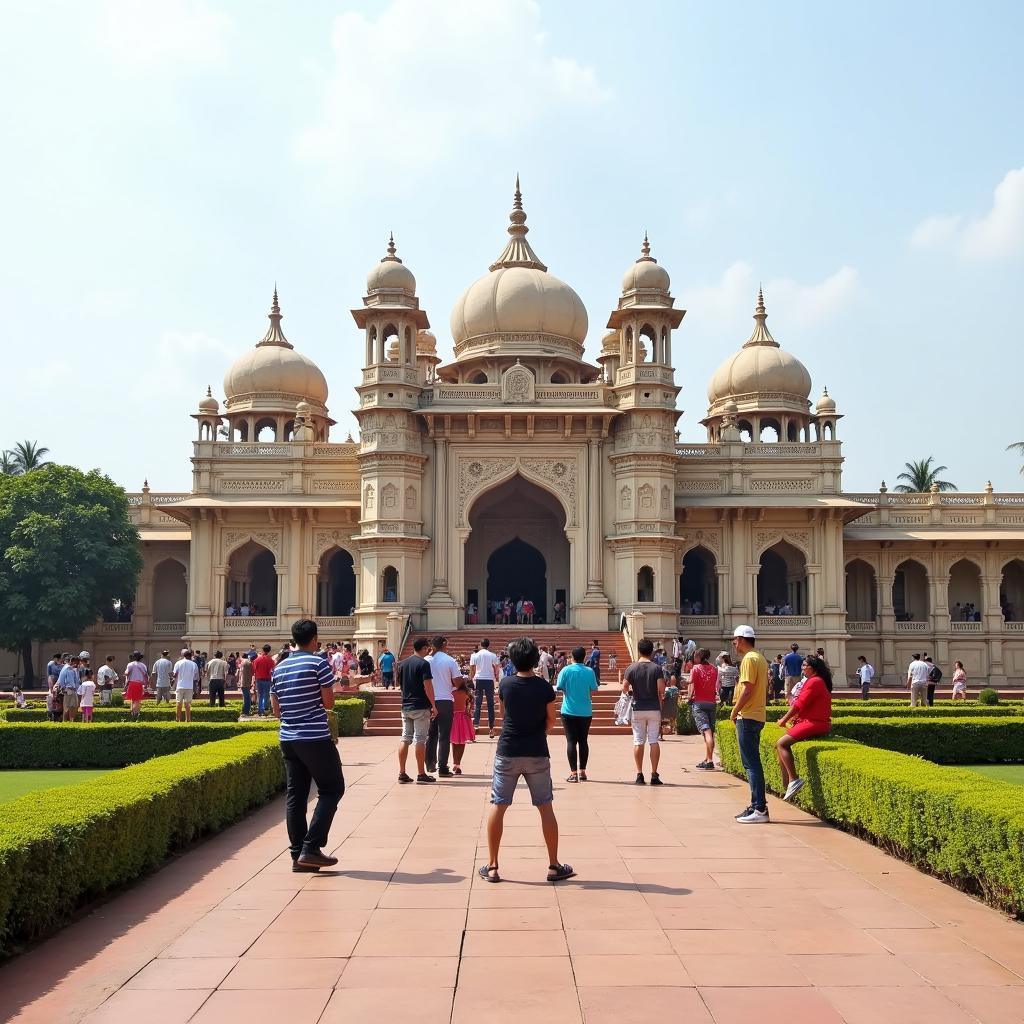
[678, 912]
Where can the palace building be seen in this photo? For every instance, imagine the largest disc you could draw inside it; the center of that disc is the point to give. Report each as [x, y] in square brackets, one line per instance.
[521, 469]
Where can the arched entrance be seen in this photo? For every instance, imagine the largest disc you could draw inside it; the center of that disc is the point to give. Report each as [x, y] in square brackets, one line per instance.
[252, 579]
[517, 548]
[336, 584]
[782, 581]
[698, 583]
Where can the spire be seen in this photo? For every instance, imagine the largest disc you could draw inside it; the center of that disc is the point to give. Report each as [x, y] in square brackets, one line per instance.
[274, 335]
[517, 251]
[392, 250]
[645, 249]
[209, 391]
[761, 335]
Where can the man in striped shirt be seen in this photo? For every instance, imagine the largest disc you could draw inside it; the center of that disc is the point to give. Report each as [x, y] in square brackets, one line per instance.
[302, 694]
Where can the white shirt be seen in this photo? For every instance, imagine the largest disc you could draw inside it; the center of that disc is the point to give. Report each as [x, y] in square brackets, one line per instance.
[544, 664]
[866, 673]
[105, 673]
[443, 669]
[919, 671]
[85, 691]
[186, 671]
[162, 668]
[244, 610]
[486, 663]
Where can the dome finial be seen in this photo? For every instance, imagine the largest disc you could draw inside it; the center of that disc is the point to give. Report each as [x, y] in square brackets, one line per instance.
[645, 249]
[391, 244]
[274, 335]
[761, 335]
[517, 251]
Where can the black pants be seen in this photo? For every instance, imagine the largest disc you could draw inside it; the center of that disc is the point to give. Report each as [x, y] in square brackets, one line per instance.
[216, 691]
[484, 688]
[308, 761]
[439, 739]
[931, 694]
[577, 735]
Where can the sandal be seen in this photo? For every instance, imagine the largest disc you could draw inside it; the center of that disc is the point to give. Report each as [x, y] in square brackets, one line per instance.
[402, 777]
[573, 777]
[560, 872]
[583, 776]
[485, 873]
[456, 769]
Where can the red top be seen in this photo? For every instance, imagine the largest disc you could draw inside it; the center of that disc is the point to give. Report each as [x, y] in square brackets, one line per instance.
[814, 703]
[263, 667]
[704, 679]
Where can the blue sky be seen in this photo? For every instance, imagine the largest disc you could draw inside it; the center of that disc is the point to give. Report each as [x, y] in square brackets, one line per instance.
[167, 163]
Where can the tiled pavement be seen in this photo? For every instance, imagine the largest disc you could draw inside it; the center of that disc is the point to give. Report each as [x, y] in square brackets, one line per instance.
[678, 913]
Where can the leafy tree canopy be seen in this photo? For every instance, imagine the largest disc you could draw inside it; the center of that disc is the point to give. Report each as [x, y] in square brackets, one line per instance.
[24, 457]
[67, 550]
[918, 477]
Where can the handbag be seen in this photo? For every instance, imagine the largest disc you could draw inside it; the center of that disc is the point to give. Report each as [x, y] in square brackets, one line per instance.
[624, 710]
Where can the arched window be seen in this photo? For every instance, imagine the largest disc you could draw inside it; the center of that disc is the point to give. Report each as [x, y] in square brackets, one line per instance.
[252, 579]
[861, 592]
[478, 378]
[647, 345]
[389, 585]
[746, 431]
[336, 583]
[629, 353]
[698, 583]
[771, 432]
[645, 584]
[792, 432]
[910, 592]
[559, 378]
[1011, 591]
[827, 431]
[782, 581]
[266, 431]
[965, 592]
[170, 592]
[389, 343]
[241, 431]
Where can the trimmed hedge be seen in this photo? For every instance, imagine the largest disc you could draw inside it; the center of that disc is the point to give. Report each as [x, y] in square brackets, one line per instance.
[63, 848]
[966, 829]
[348, 714]
[150, 713]
[775, 711]
[967, 740]
[102, 745]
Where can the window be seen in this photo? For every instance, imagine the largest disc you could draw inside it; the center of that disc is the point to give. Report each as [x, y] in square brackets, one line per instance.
[389, 585]
[645, 584]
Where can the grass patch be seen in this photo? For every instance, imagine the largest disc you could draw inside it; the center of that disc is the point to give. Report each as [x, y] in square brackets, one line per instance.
[18, 783]
[1002, 772]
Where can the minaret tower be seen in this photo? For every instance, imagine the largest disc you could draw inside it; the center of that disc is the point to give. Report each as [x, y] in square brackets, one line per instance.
[391, 456]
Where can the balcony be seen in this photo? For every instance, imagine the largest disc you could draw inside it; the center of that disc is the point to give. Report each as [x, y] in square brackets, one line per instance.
[1013, 627]
[117, 627]
[698, 623]
[168, 628]
[784, 623]
[246, 624]
[965, 627]
[342, 624]
[912, 627]
[862, 626]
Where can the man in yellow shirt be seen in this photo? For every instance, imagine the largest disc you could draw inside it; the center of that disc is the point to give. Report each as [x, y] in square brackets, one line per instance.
[748, 714]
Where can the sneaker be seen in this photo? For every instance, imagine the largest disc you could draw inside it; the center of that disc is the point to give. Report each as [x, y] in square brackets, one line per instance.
[640, 780]
[402, 777]
[745, 812]
[793, 788]
[425, 778]
[656, 779]
[755, 817]
[708, 766]
[315, 860]
[444, 773]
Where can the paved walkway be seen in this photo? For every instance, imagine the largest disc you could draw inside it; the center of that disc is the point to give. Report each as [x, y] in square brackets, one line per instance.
[678, 914]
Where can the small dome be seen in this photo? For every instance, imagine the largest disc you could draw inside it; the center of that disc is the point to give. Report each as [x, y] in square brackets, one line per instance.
[303, 409]
[426, 343]
[208, 403]
[392, 353]
[610, 343]
[730, 408]
[645, 273]
[826, 403]
[391, 273]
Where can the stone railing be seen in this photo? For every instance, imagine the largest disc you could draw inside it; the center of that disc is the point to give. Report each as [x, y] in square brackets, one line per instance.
[861, 626]
[913, 626]
[1013, 627]
[116, 627]
[248, 623]
[169, 628]
[698, 451]
[696, 622]
[784, 623]
[343, 624]
[249, 450]
[965, 627]
[782, 450]
[571, 394]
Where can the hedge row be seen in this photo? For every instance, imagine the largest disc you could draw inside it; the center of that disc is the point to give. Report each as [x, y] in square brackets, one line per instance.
[149, 713]
[63, 848]
[102, 745]
[967, 740]
[348, 714]
[964, 828]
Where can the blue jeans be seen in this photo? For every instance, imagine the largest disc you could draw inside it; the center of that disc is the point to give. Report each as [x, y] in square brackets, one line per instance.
[246, 701]
[748, 735]
[263, 691]
[484, 687]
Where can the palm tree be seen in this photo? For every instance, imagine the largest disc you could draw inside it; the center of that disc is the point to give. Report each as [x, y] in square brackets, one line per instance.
[28, 456]
[8, 465]
[1017, 446]
[919, 477]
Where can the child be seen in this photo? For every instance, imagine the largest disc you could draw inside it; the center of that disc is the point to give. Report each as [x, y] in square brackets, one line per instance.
[670, 707]
[613, 667]
[959, 681]
[86, 690]
[19, 697]
[462, 722]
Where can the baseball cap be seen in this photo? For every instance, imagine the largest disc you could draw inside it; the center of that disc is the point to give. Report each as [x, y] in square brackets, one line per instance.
[184, 650]
[745, 631]
[83, 654]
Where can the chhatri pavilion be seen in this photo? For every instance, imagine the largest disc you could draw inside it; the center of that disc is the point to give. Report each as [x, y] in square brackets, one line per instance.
[521, 469]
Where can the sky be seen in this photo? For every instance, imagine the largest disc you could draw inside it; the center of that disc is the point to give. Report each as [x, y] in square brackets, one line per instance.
[167, 162]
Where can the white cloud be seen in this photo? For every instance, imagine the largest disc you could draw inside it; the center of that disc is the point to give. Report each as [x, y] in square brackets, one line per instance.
[427, 79]
[733, 297]
[140, 34]
[1000, 232]
[187, 361]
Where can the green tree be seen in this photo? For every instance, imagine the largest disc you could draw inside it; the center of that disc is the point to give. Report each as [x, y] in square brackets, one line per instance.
[8, 465]
[1017, 446]
[68, 549]
[918, 477]
[29, 455]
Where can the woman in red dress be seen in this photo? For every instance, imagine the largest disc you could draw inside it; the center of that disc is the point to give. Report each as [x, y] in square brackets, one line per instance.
[135, 677]
[812, 711]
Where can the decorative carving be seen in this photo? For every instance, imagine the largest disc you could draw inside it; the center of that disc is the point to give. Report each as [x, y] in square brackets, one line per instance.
[389, 496]
[321, 485]
[410, 498]
[695, 485]
[666, 498]
[324, 539]
[474, 475]
[232, 539]
[764, 539]
[710, 539]
[273, 486]
[517, 385]
[626, 498]
[645, 495]
[772, 484]
[369, 500]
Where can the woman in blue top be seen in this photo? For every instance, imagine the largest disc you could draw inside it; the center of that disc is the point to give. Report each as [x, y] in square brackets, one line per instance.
[576, 683]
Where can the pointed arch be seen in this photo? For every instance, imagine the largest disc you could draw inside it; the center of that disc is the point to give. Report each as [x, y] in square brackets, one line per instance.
[964, 591]
[910, 591]
[861, 591]
[698, 582]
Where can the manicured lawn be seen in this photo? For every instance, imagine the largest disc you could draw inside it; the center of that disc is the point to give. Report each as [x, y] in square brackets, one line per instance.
[17, 783]
[1001, 772]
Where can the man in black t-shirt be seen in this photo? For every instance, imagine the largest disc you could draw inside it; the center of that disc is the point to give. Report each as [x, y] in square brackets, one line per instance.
[528, 711]
[418, 710]
[646, 681]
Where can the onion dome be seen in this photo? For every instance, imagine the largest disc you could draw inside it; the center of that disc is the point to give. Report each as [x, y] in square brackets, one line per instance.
[391, 274]
[826, 404]
[645, 274]
[208, 403]
[426, 343]
[610, 343]
[761, 367]
[518, 295]
[273, 373]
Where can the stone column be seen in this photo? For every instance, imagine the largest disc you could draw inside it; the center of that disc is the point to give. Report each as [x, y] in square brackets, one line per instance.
[440, 537]
[595, 524]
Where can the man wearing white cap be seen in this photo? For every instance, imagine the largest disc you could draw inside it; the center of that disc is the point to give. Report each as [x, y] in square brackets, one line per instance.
[749, 714]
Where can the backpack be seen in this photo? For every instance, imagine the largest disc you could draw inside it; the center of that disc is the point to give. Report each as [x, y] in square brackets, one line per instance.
[935, 675]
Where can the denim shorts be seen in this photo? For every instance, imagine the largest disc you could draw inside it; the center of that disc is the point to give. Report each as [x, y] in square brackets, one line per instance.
[703, 715]
[536, 771]
[415, 726]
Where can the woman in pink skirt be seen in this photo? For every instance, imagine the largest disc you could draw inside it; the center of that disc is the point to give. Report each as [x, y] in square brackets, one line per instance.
[462, 723]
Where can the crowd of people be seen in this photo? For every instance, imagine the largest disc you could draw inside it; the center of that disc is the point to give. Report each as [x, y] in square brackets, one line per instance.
[505, 611]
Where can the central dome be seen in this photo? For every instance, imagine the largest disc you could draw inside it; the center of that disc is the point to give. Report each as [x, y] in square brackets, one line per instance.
[518, 295]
